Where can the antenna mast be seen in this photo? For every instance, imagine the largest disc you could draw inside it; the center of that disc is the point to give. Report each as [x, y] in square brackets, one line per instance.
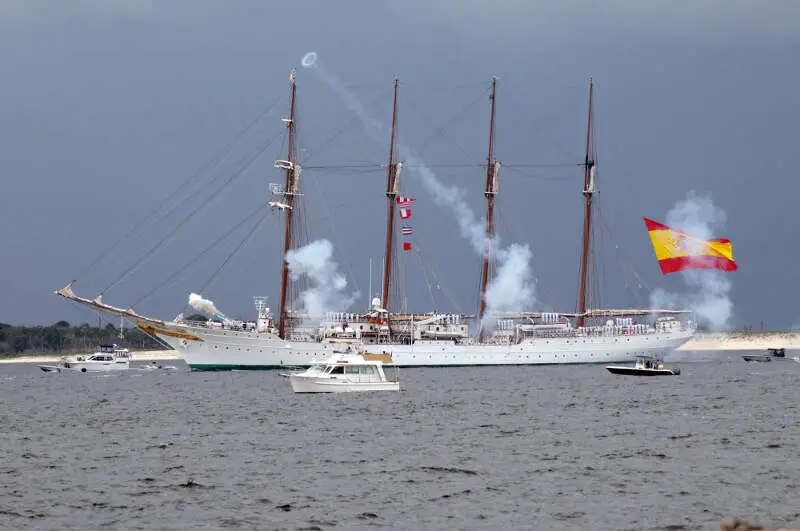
[391, 193]
[290, 190]
[492, 167]
[588, 193]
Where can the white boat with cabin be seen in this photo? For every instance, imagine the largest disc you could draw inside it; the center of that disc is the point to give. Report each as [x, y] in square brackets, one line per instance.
[107, 358]
[345, 373]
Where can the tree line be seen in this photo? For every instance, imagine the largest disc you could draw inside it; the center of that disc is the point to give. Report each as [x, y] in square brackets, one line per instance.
[62, 337]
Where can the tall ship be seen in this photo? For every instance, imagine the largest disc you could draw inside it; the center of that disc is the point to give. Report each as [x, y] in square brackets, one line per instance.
[289, 337]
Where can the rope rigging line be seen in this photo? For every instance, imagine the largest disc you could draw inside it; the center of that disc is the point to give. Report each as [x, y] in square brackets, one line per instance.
[515, 169]
[429, 86]
[441, 129]
[551, 165]
[334, 234]
[355, 119]
[522, 116]
[226, 150]
[194, 259]
[302, 237]
[424, 264]
[597, 279]
[348, 167]
[235, 250]
[427, 284]
[256, 156]
[125, 319]
[540, 291]
[621, 255]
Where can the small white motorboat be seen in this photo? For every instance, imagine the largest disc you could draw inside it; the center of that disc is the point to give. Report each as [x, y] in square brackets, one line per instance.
[645, 366]
[342, 373]
[107, 358]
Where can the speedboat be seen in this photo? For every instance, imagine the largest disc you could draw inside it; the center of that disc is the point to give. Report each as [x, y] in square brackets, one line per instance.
[342, 373]
[645, 366]
[107, 358]
[771, 353]
[777, 352]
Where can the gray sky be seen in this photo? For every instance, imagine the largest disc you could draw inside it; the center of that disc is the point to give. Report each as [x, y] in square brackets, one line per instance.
[108, 105]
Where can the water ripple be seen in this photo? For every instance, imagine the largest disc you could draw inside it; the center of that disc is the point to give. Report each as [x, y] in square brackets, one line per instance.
[463, 448]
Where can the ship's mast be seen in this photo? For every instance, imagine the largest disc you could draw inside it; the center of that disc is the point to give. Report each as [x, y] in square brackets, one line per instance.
[391, 195]
[489, 192]
[588, 193]
[290, 189]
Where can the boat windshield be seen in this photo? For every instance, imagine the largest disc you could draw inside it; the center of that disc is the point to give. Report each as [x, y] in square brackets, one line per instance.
[316, 369]
[651, 363]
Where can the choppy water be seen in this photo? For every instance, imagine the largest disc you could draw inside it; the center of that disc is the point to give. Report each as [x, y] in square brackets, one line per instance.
[461, 448]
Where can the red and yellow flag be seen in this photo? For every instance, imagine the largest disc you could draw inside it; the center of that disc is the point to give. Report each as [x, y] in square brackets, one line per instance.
[677, 250]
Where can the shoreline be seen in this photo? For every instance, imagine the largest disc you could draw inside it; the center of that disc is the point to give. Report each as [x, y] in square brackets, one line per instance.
[721, 341]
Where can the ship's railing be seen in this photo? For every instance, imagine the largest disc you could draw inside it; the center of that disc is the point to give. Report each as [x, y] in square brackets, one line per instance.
[238, 326]
[605, 331]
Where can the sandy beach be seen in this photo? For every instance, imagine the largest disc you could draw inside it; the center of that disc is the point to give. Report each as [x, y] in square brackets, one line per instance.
[744, 341]
[705, 341]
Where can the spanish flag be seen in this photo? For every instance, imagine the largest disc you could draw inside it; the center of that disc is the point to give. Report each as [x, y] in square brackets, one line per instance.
[677, 250]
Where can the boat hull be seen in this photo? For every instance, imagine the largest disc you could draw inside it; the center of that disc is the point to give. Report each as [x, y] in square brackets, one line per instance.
[757, 358]
[305, 384]
[111, 366]
[635, 371]
[214, 349]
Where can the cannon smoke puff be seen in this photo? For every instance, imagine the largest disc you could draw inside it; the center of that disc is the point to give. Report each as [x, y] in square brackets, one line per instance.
[309, 59]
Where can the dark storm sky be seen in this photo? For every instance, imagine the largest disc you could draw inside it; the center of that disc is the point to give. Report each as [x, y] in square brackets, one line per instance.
[108, 106]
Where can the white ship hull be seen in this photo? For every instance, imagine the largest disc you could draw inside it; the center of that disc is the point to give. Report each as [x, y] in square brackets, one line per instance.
[225, 349]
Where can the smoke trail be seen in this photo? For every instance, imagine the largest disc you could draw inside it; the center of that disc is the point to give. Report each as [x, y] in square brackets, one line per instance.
[199, 303]
[511, 289]
[326, 293]
[708, 290]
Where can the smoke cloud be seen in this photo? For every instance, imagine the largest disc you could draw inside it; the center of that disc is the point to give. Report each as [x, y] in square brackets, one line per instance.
[326, 293]
[199, 303]
[512, 288]
[708, 291]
